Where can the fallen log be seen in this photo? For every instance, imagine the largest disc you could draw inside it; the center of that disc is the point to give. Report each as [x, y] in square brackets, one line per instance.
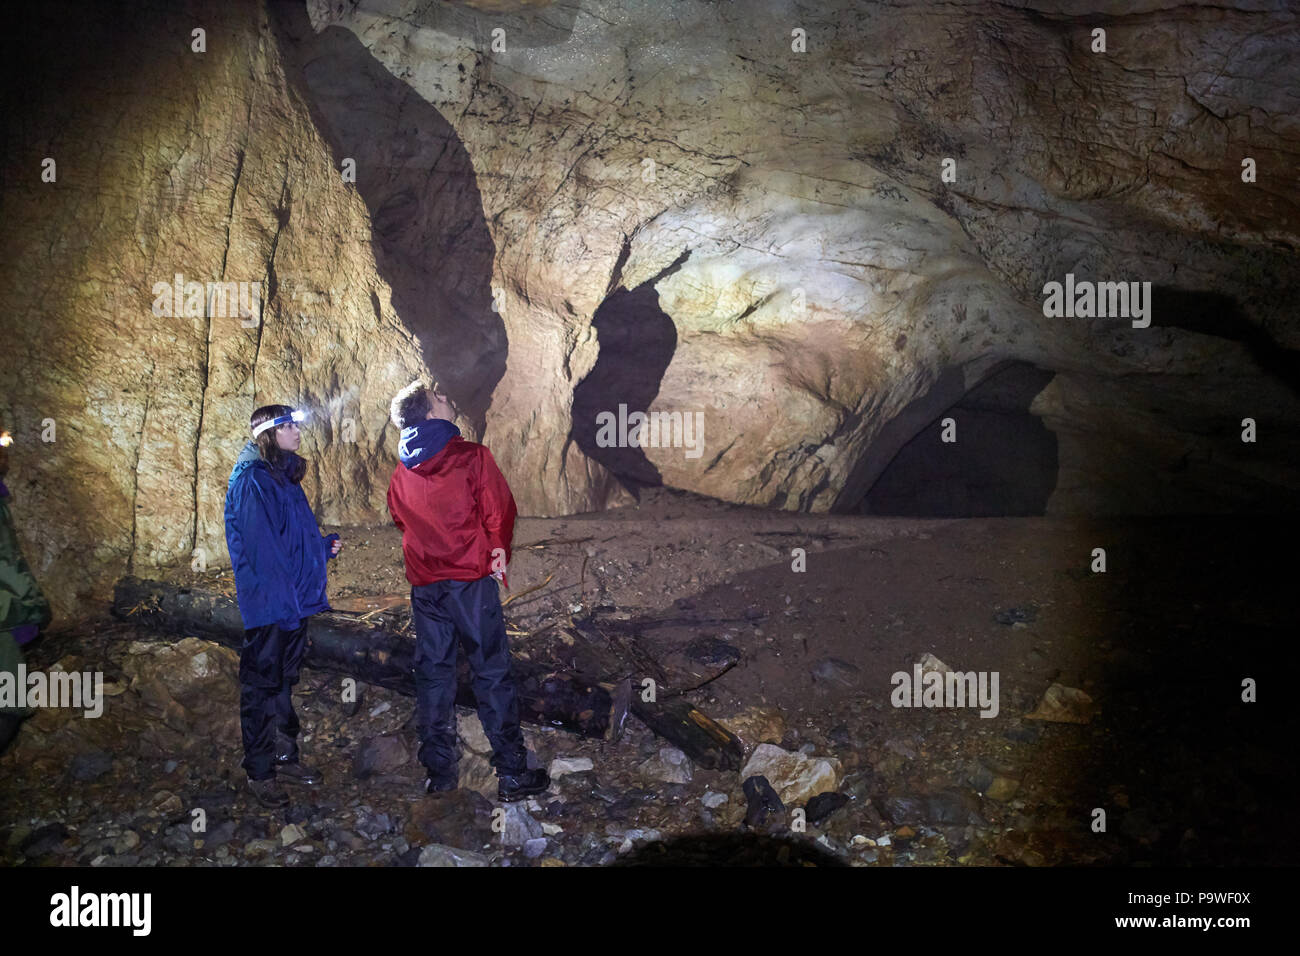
[588, 647]
[370, 653]
[573, 678]
[368, 604]
[704, 740]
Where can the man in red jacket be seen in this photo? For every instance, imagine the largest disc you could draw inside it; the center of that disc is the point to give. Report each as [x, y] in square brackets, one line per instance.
[457, 518]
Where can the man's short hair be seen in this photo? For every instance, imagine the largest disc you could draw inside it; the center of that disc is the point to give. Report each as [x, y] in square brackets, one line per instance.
[410, 406]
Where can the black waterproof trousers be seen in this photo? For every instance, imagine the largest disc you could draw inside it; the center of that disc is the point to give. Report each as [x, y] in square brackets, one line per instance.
[269, 662]
[468, 614]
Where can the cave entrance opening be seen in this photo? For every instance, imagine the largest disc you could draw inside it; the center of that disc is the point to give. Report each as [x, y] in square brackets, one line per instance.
[1003, 463]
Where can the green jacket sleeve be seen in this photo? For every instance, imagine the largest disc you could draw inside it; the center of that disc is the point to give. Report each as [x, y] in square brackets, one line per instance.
[21, 599]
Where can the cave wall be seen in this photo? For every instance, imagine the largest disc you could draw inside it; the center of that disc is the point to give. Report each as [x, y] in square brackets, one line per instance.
[172, 162]
[827, 278]
[828, 295]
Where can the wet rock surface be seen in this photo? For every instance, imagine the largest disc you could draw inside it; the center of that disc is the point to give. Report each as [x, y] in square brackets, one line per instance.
[1169, 751]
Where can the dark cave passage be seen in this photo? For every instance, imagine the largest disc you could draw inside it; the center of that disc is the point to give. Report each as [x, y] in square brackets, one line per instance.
[1003, 462]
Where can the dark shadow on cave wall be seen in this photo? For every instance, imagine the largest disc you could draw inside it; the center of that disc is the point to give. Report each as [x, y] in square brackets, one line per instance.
[1214, 313]
[637, 340]
[1004, 461]
[431, 242]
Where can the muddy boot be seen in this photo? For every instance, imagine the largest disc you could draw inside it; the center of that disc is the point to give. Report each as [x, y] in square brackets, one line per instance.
[287, 766]
[268, 792]
[298, 773]
[516, 786]
[440, 784]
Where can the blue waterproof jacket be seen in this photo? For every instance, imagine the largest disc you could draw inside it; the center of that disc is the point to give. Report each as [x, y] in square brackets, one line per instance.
[276, 548]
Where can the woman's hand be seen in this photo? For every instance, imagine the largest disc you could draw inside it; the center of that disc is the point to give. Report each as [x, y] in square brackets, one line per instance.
[336, 546]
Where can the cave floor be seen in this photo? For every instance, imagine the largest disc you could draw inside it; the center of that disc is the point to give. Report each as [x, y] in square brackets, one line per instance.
[1183, 769]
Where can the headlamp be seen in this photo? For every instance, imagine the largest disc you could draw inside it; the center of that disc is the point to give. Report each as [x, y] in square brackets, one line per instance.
[6, 439]
[294, 416]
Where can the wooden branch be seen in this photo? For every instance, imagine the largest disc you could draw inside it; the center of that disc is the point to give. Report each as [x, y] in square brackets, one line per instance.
[706, 742]
[568, 676]
[535, 587]
[373, 654]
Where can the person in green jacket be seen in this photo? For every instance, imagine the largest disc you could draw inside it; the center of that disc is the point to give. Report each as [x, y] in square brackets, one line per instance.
[24, 609]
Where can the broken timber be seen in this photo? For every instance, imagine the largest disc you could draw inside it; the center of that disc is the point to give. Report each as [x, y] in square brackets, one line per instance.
[568, 678]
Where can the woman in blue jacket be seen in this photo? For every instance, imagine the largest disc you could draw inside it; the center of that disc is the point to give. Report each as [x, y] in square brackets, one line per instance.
[278, 555]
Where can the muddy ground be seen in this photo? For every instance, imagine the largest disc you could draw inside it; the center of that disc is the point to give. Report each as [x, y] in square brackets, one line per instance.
[1185, 771]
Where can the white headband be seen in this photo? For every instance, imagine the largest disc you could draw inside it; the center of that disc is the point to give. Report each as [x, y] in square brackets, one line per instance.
[294, 416]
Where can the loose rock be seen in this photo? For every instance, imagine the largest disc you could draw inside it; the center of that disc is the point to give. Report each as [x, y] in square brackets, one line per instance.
[670, 766]
[1067, 705]
[796, 777]
[566, 765]
[377, 755]
[439, 855]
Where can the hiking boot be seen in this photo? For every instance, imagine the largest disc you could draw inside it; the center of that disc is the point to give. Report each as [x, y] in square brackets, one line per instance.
[439, 784]
[297, 773]
[516, 786]
[268, 792]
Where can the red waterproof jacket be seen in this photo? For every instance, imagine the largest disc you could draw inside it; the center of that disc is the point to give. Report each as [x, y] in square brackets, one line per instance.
[454, 508]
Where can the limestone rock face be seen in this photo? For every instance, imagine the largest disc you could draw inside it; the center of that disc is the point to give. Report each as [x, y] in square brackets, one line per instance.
[690, 216]
[205, 166]
[732, 214]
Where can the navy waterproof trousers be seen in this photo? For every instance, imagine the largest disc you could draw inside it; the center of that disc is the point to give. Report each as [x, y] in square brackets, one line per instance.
[448, 614]
[269, 661]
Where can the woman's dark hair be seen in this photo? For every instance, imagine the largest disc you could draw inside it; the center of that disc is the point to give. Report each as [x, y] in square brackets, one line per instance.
[281, 461]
